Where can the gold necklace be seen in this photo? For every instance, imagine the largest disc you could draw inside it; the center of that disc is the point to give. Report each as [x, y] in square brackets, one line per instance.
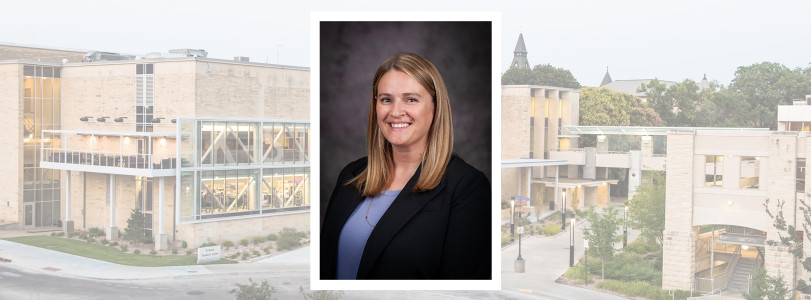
[369, 209]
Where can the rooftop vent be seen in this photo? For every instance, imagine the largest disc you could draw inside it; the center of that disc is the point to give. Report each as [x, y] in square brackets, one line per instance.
[242, 58]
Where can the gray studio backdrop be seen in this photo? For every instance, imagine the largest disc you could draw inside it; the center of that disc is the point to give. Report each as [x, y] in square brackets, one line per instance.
[351, 53]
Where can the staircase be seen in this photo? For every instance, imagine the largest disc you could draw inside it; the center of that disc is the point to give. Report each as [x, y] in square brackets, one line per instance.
[740, 278]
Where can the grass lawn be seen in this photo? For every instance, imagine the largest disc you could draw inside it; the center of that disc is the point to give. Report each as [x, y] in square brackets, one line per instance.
[108, 253]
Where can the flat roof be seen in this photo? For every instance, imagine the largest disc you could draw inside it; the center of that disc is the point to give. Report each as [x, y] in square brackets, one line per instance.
[643, 130]
[531, 162]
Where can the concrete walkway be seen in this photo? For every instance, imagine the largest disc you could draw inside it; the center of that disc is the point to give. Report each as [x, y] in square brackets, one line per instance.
[546, 259]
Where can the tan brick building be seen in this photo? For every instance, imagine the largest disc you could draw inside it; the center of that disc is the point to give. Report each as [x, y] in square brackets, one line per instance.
[88, 142]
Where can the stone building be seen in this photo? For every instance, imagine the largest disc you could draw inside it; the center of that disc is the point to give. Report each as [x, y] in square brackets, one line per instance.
[89, 142]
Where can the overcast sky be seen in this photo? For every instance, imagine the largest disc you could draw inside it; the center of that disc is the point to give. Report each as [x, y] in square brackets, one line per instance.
[634, 39]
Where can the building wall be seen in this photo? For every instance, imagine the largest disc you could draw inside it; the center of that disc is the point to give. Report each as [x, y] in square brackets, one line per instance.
[515, 105]
[11, 155]
[678, 266]
[231, 90]
[31, 53]
[233, 230]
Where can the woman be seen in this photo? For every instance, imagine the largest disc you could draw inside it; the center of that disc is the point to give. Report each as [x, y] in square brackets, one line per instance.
[411, 209]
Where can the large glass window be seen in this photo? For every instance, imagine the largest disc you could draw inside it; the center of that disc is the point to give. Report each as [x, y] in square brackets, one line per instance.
[144, 97]
[714, 171]
[41, 110]
[800, 176]
[143, 201]
[750, 172]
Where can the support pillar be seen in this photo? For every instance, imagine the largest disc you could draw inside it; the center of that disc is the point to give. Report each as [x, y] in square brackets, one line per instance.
[634, 172]
[161, 241]
[112, 231]
[67, 226]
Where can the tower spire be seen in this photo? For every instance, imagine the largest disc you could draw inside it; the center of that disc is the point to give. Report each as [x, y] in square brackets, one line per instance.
[520, 54]
[606, 78]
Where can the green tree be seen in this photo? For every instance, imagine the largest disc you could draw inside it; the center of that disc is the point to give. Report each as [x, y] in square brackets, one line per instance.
[787, 236]
[136, 227]
[764, 86]
[767, 287]
[657, 100]
[546, 75]
[646, 211]
[602, 234]
[604, 107]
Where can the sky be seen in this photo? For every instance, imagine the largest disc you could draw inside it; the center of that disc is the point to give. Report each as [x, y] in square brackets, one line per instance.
[671, 40]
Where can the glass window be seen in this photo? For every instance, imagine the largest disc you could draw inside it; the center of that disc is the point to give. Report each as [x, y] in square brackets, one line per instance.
[750, 172]
[800, 176]
[714, 170]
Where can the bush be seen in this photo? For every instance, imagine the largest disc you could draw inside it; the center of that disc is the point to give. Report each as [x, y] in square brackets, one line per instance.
[550, 229]
[267, 249]
[189, 252]
[505, 239]
[136, 251]
[272, 237]
[96, 232]
[72, 234]
[289, 238]
[209, 244]
[245, 255]
[258, 240]
[53, 233]
[123, 248]
[640, 289]
[577, 274]
[174, 251]
[254, 291]
[184, 245]
[153, 252]
[244, 242]
[227, 244]
[632, 267]
[60, 234]
[234, 256]
[136, 227]
[256, 252]
[321, 295]
[114, 244]
[104, 242]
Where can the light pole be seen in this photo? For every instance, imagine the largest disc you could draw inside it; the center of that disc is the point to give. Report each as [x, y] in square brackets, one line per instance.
[625, 231]
[512, 221]
[571, 244]
[563, 209]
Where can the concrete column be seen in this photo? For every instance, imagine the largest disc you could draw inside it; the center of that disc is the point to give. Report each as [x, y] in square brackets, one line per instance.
[590, 168]
[634, 172]
[647, 145]
[678, 265]
[112, 230]
[557, 187]
[161, 241]
[781, 164]
[529, 182]
[67, 226]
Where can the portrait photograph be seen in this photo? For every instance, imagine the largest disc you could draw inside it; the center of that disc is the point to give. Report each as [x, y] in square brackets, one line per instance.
[406, 152]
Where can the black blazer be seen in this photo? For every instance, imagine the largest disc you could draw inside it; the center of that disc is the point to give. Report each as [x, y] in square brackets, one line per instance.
[443, 233]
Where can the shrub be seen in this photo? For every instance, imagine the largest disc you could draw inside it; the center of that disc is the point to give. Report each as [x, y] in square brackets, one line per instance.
[53, 233]
[114, 244]
[640, 289]
[263, 291]
[60, 234]
[245, 255]
[184, 245]
[258, 240]
[136, 227]
[209, 244]
[267, 249]
[550, 229]
[577, 274]
[234, 256]
[321, 295]
[288, 239]
[153, 252]
[96, 232]
[244, 242]
[632, 267]
[227, 244]
[272, 237]
[256, 252]
[104, 242]
[123, 248]
[136, 251]
[174, 250]
[505, 238]
[189, 252]
[72, 234]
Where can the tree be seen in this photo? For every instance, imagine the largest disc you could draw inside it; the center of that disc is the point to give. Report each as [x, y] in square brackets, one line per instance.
[767, 287]
[136, 227]
[602, 234]
[546, 75]
[764, 86]
[646, 211]
[787, 237]
[657, 100]
[254, 291]
[604, 107]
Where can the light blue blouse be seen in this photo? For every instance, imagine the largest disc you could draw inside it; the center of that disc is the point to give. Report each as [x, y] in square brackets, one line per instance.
[356, 232]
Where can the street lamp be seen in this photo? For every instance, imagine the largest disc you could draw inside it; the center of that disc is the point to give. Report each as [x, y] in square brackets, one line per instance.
[563, 209]
[571, 244]
[625, 230]
[512, 221]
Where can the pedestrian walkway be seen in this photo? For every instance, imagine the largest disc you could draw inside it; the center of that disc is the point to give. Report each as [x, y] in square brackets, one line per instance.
[39, 260]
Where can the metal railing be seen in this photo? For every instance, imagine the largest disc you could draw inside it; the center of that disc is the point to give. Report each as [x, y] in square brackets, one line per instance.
[719, 281]
[110, 159]
[612, 152]
[672, 292]
[569, 149]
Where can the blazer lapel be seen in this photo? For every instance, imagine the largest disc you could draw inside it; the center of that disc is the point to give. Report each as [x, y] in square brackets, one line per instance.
[405, 206]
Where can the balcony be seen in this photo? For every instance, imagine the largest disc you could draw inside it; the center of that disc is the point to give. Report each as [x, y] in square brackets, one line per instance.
[573, 156]
[121, 162]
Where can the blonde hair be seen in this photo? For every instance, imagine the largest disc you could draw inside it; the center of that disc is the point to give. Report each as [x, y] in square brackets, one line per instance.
[380, 168]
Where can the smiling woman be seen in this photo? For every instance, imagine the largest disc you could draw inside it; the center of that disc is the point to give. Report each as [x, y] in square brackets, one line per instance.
[411, 209]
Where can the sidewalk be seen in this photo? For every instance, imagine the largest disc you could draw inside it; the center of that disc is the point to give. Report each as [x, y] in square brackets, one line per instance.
[44, 261]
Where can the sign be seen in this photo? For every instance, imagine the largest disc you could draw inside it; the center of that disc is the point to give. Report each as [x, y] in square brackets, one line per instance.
[208, 254]
[520, 229]
[586, 244]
